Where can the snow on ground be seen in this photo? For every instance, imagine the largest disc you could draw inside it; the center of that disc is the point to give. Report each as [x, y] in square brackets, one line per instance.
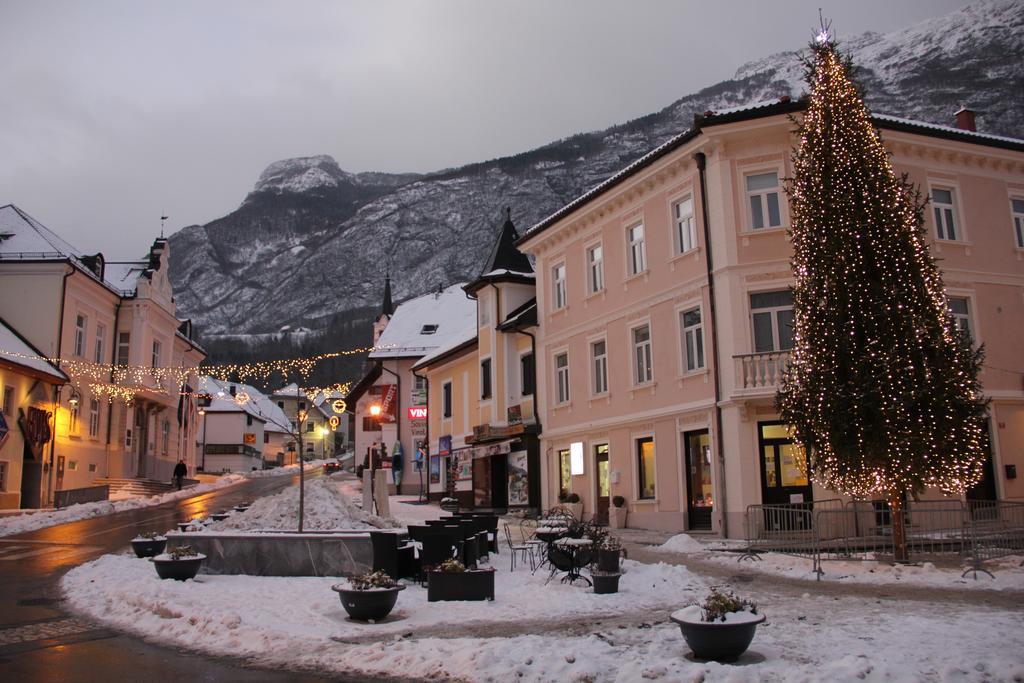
[1008, 574]
[30, 521]
[327, 505]
[548, 632]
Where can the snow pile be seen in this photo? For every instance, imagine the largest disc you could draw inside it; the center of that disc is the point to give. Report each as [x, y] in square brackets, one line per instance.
[681, 543]
[327, 506]
[537, 631]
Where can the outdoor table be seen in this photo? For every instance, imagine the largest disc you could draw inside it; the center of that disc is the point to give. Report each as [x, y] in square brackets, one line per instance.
[574, 548]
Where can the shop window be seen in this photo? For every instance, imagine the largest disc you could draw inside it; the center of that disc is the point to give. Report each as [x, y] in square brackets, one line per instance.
[645, 467]
[564, 472]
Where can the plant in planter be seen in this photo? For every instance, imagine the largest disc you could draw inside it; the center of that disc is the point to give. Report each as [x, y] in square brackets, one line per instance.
[148, 544]
[609, 551]
[181, 563]
[617, 513]
[721, 628]
[575, 505]
[370, 596]
[450, 580]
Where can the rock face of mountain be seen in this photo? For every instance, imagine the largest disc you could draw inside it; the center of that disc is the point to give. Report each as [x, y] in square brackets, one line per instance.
[312, 240]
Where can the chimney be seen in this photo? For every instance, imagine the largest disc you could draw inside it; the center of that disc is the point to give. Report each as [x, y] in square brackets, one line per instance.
[232, 389]
[965, 119]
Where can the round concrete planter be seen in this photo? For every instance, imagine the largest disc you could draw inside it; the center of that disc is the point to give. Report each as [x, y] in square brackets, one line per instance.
[721, 641]
[179, 570]
[368, 605]
[149, 547]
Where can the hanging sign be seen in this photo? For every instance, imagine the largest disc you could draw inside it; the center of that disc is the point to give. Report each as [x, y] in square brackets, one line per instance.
[339, 405]
[334, 421]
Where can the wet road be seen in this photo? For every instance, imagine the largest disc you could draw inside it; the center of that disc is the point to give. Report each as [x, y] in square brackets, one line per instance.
[40, 641]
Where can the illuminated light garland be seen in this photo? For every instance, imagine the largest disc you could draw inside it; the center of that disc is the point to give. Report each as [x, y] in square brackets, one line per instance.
[881, 387]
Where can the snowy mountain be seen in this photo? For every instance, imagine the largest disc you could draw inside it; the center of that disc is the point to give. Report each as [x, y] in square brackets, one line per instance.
[311, 240]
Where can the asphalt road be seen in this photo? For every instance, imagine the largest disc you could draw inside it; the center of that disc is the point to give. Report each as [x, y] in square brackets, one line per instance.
[40, 641]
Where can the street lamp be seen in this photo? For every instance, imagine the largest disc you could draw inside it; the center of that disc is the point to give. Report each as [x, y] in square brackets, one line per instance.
[202, 414]
[324, 431]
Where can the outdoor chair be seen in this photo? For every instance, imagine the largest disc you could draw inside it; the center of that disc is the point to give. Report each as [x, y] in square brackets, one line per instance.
[525, 550]
[438, 545]
[491, 526]
[416, 531]
[481, 526]
[470, 544]
[386, 553]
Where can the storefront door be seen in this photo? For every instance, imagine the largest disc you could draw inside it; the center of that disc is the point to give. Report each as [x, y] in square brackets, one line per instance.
[699, 495]
[603, 486]
[784, 467]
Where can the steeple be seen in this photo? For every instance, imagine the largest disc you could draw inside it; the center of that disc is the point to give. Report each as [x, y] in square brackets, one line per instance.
[388, 308]
[504, 255]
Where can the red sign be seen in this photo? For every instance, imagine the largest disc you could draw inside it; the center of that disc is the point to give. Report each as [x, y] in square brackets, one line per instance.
[388, 402]
[418, 413]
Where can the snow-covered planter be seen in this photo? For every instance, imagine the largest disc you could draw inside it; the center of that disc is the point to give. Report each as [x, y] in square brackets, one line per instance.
[148, 544]
[450, 504]
[721, 629]
[181, 563]
[220, 516]
[369, 597]
[451, 581]
[609, 552]
[605, 582]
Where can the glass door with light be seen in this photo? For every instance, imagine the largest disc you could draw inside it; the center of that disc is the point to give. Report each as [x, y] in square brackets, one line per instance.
[784, 467]
[699, 492]
[603, 486]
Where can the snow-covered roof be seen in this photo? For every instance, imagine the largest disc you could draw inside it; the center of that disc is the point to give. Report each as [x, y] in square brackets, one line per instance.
[14, 349]
[948, 130]
[426, 323]
[289, 391]
[465, 338]
[124, 276]
[259, 405]
[20, 234]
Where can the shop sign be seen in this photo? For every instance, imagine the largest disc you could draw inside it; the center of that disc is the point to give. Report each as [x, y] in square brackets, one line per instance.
[388, 403]
[418, 413]
[249, 438]
[515, 415]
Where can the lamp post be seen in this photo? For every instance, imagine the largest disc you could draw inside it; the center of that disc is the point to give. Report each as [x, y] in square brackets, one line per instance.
[324, 431]
[202, 414]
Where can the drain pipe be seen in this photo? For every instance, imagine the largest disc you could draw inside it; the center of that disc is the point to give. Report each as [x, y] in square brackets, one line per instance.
[56, 395]
[701, 159]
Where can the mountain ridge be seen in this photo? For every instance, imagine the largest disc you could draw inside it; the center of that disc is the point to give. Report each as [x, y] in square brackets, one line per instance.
[312, 240]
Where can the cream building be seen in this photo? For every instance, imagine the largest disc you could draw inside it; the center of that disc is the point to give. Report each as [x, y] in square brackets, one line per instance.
[120, 320]
[665, 315]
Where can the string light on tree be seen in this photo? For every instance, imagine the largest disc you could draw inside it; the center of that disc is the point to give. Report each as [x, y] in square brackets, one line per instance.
[881, 387]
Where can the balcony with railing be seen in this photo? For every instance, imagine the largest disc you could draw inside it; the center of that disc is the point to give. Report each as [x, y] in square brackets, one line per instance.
[760, 374]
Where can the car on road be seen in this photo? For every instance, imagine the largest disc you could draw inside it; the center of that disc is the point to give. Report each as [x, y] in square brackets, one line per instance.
[332, 466]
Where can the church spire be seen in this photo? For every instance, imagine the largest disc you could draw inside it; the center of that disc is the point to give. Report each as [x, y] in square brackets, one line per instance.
[388, 308]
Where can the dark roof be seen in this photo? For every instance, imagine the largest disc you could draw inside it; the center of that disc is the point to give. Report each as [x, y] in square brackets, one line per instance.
[356, 392]
[755, 111]
[388, 308]
[521, 318]
[505, 262]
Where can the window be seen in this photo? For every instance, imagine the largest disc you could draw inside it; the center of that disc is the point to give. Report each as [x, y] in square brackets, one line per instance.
[944, 210]
[266, 437]
[92, 467]
[637, 254]
[72, 465]
[1017, 208]
[763, 195]
[484, 305]
[693, 340]
[101, 342]
[526, 373]
[564, 473]
[686, 238]
[369, 425]
[428, 329]
[642, 355]
[558, 286]
[645, 466]
[302, 404]
[485, 378]
[772, 316]
[599, 363]
[310, 425]
[81, 322]
[165, 436]
[123, 347]
[562, 378]
[595, 268]
[280, 404]
[94, 418]
[961, 311]
[8, 402]
[446, 398]
[248, 420]
[156, 353]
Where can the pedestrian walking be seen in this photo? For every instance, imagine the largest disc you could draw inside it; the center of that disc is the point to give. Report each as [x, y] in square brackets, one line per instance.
[180, 470]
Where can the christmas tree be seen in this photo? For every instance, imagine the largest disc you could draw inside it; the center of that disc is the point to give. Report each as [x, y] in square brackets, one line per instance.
[881, 387]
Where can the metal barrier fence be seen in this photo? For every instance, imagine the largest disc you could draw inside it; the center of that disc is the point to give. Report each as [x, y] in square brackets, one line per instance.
[862, 530]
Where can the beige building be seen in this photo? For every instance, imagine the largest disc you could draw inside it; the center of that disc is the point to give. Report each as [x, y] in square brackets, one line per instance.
[122, 414]
[482, 424]
[664, 312]
[28, 392]
[317, 436]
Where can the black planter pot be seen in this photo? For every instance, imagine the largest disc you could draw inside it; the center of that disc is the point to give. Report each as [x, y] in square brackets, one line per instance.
[606, 583]
[450, 507]
[369, 605]
[241, 508]
[184, 526]
[179, 570]
[471, 585]
[149, 547]
[218, 516]
[718, 640]
[608, 560]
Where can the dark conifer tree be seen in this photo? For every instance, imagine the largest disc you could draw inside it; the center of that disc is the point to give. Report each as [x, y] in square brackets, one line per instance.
[881, 388]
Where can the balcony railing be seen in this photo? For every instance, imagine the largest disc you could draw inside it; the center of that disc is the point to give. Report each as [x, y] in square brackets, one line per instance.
[756, 371]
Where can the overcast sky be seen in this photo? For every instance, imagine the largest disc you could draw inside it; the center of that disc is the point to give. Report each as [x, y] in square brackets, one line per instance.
[113, 112]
